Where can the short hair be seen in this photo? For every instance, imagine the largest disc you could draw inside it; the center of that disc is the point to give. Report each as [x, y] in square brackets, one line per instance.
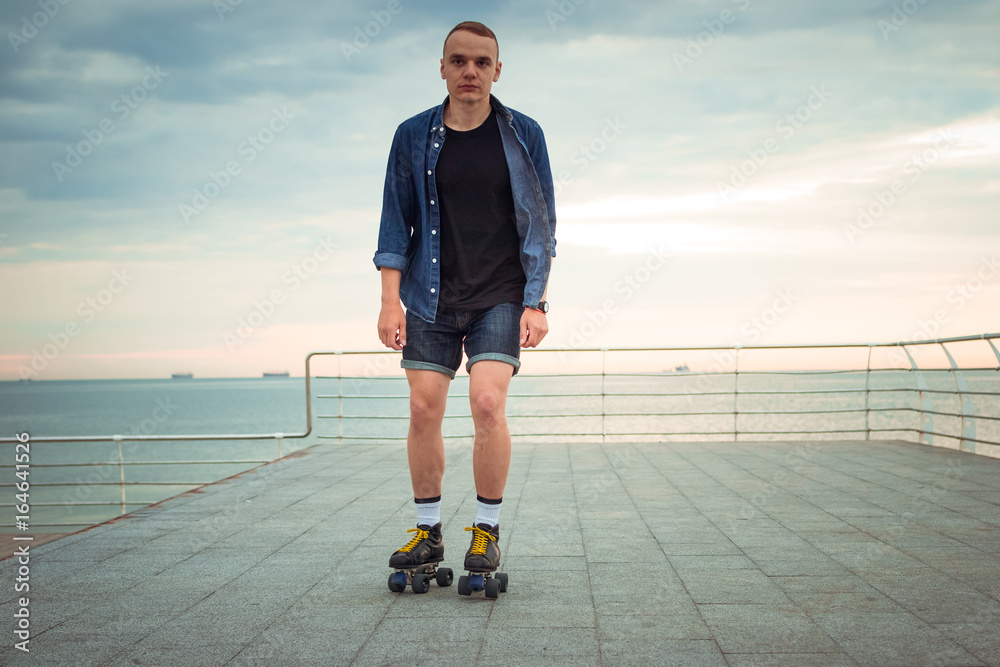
[476, 28]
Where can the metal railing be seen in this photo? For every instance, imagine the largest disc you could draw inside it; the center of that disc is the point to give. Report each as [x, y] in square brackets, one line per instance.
[121, 464]
[880, 412]
[598, 400]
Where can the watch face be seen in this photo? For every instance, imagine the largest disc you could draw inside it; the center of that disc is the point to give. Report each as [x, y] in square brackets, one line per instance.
[543, 306]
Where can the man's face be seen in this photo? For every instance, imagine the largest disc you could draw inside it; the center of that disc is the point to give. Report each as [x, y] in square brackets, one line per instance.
[470, 66]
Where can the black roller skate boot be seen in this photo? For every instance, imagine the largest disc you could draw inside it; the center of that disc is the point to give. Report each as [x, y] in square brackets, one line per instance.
[481, 561]
[416, 563]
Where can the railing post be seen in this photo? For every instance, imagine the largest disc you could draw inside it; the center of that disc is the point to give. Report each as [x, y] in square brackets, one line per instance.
[736, 395]
[340, 399]
[279, 436]
[604, 352]
[868, 375]
[926, 403]
[121, 470]
[996, 353]
[968, 406]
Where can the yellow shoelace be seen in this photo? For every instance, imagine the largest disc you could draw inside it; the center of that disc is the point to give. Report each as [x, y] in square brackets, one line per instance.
[480, 538]
[420, 535]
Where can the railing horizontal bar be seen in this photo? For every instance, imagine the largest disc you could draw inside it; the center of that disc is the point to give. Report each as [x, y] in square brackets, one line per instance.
[401, 396]
[118, 483]
[826, 430]
[942, 414]
[728, 432]
[800, 346]
[162, 438]
[955, 392]
[509, 416]
[958, 437]
[402, 378]
[675, 374]
[135, 463]
[612, 394]
[376, 437]
[35, 524]
[728, 413]
[114, 503]
[346, 396]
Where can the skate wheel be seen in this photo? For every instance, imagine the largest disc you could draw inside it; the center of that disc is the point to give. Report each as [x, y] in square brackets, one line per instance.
[502, 578]
[477, 582]
[397, 582]
[493, 588]
[445, 576]
[463, 585]
[421, 583]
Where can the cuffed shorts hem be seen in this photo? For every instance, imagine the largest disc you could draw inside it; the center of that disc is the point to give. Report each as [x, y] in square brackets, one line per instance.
[426, 366]
[493, 356]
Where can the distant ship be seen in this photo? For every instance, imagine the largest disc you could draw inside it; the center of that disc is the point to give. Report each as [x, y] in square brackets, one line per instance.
[275, 374]
[182, 376]
[683, 368]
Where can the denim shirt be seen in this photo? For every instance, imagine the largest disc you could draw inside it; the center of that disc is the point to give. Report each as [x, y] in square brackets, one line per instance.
[408, 233]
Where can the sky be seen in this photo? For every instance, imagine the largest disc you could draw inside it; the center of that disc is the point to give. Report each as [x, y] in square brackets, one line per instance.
[195, 185]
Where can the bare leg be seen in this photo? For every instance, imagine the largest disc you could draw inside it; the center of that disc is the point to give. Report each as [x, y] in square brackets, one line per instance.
[488, 384]
[424, 442]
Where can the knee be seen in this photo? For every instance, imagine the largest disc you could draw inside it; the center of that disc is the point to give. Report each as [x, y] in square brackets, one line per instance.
[488, 409]
[424, 413]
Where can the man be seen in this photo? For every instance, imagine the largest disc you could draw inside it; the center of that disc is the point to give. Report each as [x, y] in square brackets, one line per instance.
[465, 241]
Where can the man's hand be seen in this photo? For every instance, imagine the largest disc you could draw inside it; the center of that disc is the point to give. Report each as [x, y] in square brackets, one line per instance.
[392, 326]
[534, 326]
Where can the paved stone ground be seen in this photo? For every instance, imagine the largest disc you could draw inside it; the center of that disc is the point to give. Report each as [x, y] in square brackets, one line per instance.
[836, 553]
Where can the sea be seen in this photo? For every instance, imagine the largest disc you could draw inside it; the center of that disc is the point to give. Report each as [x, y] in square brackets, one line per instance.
[76, 484]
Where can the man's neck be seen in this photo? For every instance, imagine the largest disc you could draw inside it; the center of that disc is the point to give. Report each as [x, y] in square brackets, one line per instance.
[464, 117]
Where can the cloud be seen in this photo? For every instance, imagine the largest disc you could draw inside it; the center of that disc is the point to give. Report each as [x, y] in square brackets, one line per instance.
[574, 65]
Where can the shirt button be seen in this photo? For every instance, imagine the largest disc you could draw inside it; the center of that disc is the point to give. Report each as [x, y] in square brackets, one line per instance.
[432, 202]
[428, 172]
[436, 145]
[433, 290]
[434, 261]
[434, 231]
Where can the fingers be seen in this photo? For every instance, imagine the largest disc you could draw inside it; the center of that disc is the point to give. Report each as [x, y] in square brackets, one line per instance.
[392, 329]
[534, 326]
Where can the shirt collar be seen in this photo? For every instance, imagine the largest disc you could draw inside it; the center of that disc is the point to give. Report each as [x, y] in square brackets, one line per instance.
[437, 123]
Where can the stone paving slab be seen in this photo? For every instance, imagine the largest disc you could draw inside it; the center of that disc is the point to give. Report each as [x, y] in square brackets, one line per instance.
[740, 554]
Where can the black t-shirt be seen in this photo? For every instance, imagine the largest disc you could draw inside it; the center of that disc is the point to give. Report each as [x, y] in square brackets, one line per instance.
[480, 247]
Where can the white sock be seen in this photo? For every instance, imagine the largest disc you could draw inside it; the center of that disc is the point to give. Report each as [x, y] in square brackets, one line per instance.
[487, 511]
[428, 513]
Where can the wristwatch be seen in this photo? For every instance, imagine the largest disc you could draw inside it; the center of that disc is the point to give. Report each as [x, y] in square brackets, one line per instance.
[542, 306]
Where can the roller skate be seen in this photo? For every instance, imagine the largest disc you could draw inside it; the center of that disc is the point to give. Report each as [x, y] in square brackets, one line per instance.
[481, 562]
[417, 563]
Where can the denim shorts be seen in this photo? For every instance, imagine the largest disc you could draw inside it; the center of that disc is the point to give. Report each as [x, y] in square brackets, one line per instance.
[488, 333]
